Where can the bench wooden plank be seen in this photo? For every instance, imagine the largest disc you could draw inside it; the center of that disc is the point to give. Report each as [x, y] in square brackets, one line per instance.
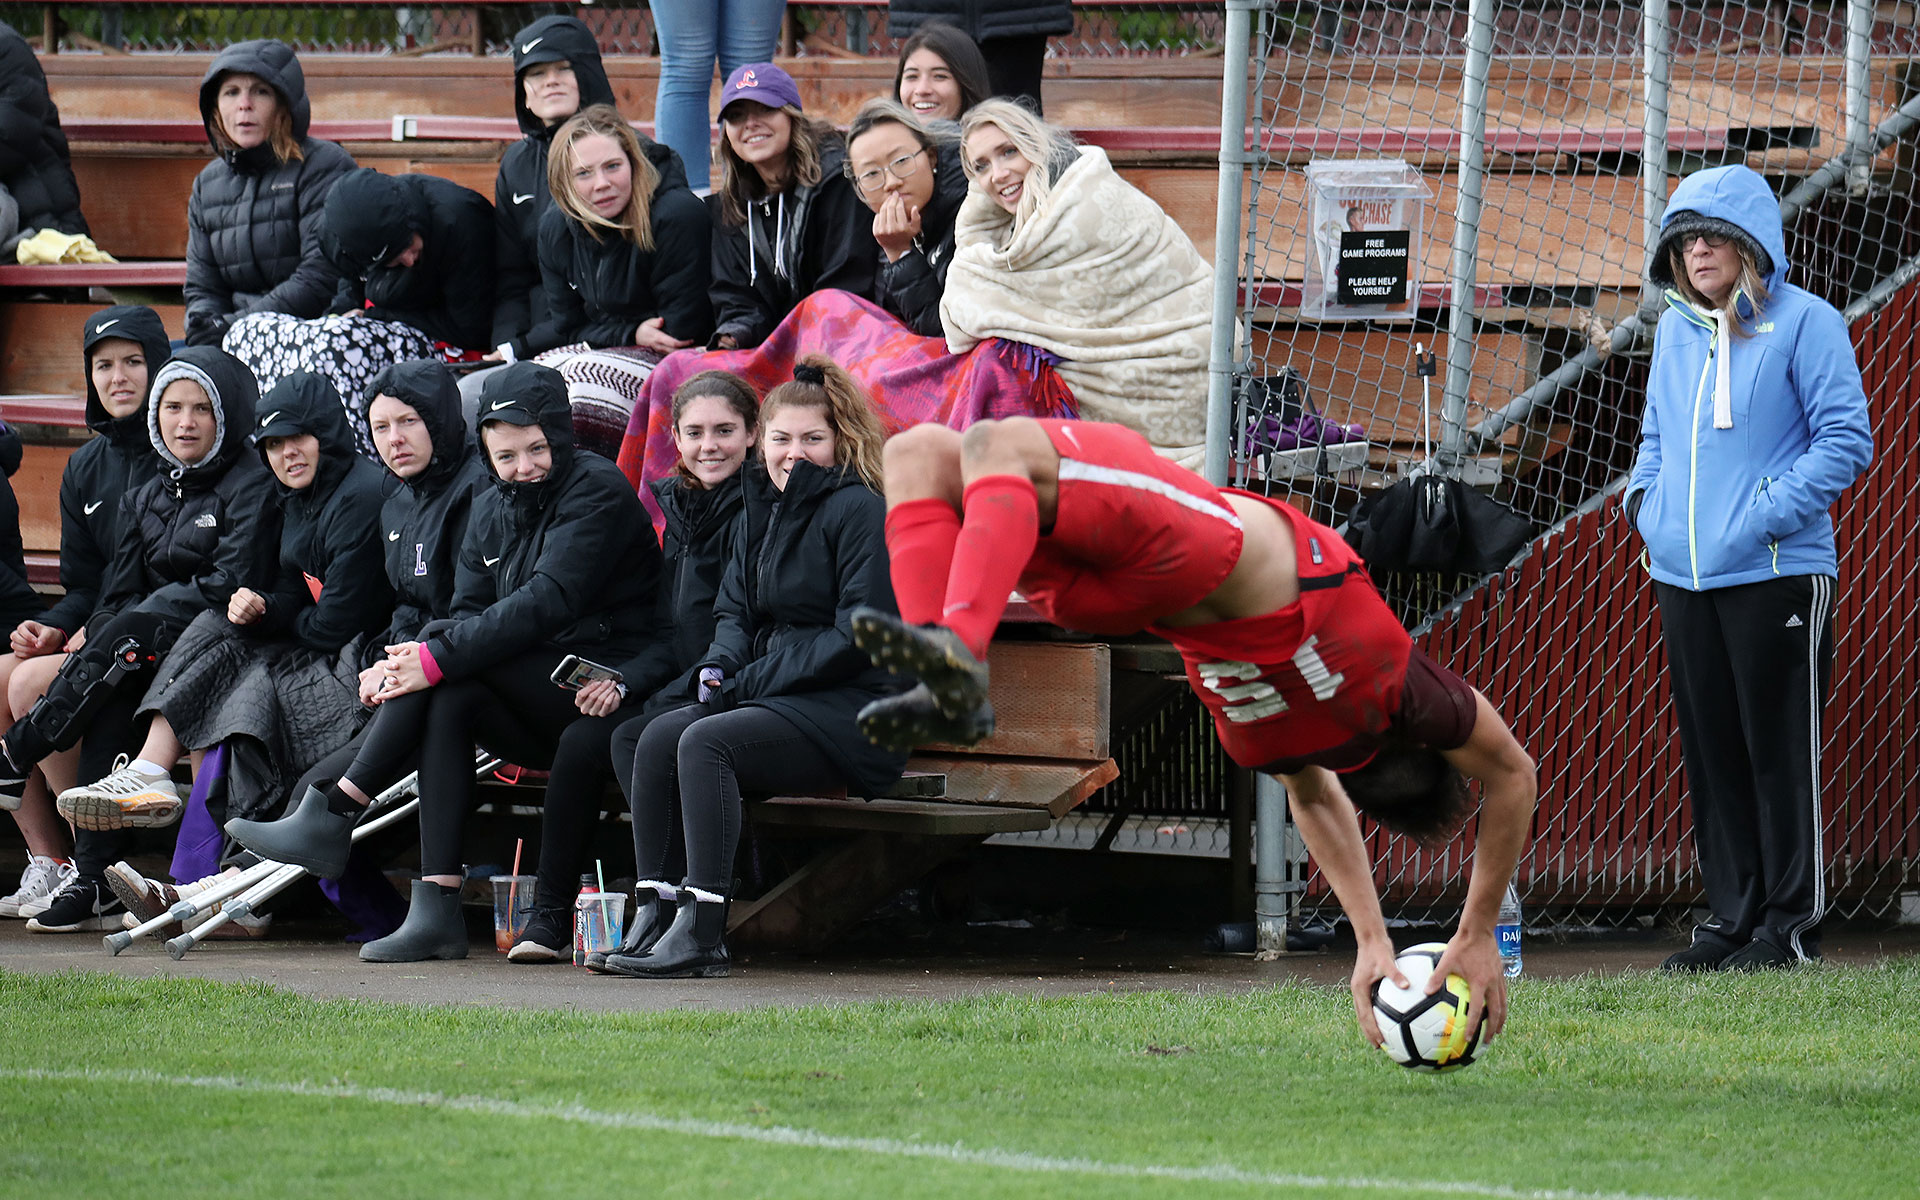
[68, 412]
[896, 816]
[1051, 700]
[162, 273]
[40, 344]
[1058, 786]
[36, 485]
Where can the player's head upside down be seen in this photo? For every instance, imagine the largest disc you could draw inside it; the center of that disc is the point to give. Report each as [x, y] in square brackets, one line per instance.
[1412, 790]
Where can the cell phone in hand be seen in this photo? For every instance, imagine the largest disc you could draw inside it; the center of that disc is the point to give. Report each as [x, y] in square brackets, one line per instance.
[575, 672]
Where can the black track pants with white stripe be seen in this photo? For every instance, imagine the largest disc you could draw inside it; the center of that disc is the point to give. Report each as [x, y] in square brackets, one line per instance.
[1750, 668]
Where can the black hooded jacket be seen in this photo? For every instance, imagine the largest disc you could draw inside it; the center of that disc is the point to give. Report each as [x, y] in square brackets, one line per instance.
[330, 538]
[194, 534]
[520, 194]
[982, 19]
[34, 164]
[101, 473]
[781, 632]
[254, 222]
[600, 287]
[911, 288]
[702, 526]
[448, 293]
[825, 237]
[425, 517]
[18, 601]
[568, 562]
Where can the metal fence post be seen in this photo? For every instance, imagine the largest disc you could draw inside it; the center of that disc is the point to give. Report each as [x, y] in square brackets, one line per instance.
[1859, 61]
[1464, 273]
[1656, 71]
[1236, 52]
[1274, 891]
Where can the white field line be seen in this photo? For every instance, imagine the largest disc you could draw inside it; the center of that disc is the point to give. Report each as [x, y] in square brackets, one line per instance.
[780, 1135]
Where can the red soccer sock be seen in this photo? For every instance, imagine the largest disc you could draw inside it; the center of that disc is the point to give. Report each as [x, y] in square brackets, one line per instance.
[1001, 526]
[920, 538]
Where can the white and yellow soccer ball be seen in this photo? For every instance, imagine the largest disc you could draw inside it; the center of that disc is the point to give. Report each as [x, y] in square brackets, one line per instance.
[1425, 1033]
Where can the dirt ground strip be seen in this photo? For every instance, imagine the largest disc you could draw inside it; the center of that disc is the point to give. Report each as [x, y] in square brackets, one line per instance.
[1033, 962]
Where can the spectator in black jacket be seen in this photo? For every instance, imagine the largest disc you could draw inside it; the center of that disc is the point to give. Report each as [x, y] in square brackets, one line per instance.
[940, 75]
[559, 558]
[715, 416]
[415, 255]
[199, 530]
[253, 221]
[623, 262]
[123, 348]
[1012, 35]
[34, 166]
[772, 702]
[273, 672]
[787, 223]
[914, 184]
[556, 73]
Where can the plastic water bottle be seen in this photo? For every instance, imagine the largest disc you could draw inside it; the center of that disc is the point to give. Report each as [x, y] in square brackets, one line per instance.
[1506, 931]
[583, 915]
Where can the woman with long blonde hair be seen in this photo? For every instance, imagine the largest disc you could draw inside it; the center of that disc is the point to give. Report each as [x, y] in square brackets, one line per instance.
[623, 266]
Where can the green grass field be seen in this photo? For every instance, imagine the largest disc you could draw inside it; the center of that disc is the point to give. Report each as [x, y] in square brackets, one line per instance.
[1783, 1085]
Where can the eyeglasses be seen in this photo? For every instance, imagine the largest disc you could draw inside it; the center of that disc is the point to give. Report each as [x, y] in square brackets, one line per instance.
[901, 168]
[1714, 240]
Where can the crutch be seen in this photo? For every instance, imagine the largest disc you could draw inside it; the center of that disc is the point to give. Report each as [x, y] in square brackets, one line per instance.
[254, 879]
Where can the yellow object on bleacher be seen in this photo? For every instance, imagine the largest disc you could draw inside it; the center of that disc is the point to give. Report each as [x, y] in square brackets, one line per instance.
[50, 246]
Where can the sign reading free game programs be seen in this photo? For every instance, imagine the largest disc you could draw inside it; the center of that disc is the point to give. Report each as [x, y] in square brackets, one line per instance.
[1365, 222]
[1373, 266]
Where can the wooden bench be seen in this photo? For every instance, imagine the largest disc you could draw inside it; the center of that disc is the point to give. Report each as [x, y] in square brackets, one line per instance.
[1049, 752]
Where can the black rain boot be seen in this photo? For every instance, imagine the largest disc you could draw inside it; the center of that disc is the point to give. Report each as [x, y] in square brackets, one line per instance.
[652, 913]
[311, 836]
[693, 947]
[434, 928]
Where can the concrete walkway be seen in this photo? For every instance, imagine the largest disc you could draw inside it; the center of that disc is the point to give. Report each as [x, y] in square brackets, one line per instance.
[1029, 962]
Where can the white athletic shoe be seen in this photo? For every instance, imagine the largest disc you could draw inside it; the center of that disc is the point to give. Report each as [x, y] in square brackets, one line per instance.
[125, 799]
[39, 884]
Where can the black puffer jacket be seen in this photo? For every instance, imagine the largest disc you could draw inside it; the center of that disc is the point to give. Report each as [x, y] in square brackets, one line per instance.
[781, 619]
[34, 164]
[569, 561]
[254, 222]
[448, 293]
[911, 288]
[192, 535]
[520, 194]
[982, 19]
[825, 238]
[424, 519]
[18, 601]
[330, 539]
[600, 287]
[100, 474]
[702, 527]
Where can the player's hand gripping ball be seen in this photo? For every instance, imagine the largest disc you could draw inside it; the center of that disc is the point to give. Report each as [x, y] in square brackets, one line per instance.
[1425, 1033]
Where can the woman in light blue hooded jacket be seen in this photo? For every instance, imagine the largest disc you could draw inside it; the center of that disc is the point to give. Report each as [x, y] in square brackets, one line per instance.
[1756, 422]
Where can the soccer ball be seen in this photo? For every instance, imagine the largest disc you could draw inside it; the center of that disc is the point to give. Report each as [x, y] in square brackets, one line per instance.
[1425, 1033]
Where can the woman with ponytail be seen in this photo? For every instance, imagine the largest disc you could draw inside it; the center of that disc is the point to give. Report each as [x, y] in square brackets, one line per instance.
[771, 704]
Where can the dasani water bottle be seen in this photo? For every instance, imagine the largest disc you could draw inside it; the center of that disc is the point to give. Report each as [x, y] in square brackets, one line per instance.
[1506, 931]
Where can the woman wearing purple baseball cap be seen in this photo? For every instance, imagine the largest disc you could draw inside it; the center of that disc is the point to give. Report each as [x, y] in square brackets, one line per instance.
[787, 222]
[694, 34]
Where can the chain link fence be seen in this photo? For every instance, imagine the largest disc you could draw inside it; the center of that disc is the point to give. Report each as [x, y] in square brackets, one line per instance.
[1516, 259]
[835, 30]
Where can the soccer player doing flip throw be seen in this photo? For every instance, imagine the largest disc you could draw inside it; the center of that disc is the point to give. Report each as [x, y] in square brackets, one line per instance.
[1307, 673]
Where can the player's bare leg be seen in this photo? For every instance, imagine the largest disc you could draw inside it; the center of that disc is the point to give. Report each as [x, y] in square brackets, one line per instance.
[1002, 479]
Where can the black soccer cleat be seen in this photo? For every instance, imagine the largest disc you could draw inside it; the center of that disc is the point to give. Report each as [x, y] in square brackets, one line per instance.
[912, 719]
[954, 678]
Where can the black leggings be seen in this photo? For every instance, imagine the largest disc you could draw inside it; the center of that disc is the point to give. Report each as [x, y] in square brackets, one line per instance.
[697, 764]
[576, 792]
[511, 708]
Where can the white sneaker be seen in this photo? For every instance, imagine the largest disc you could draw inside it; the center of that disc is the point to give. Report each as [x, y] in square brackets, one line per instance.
[125, 799]
[39, 884]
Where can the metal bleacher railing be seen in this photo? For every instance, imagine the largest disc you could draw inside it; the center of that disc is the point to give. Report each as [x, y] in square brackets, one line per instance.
[1562, 127]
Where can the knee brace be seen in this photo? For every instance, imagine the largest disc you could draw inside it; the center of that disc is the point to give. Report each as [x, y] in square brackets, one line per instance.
[85, 683]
